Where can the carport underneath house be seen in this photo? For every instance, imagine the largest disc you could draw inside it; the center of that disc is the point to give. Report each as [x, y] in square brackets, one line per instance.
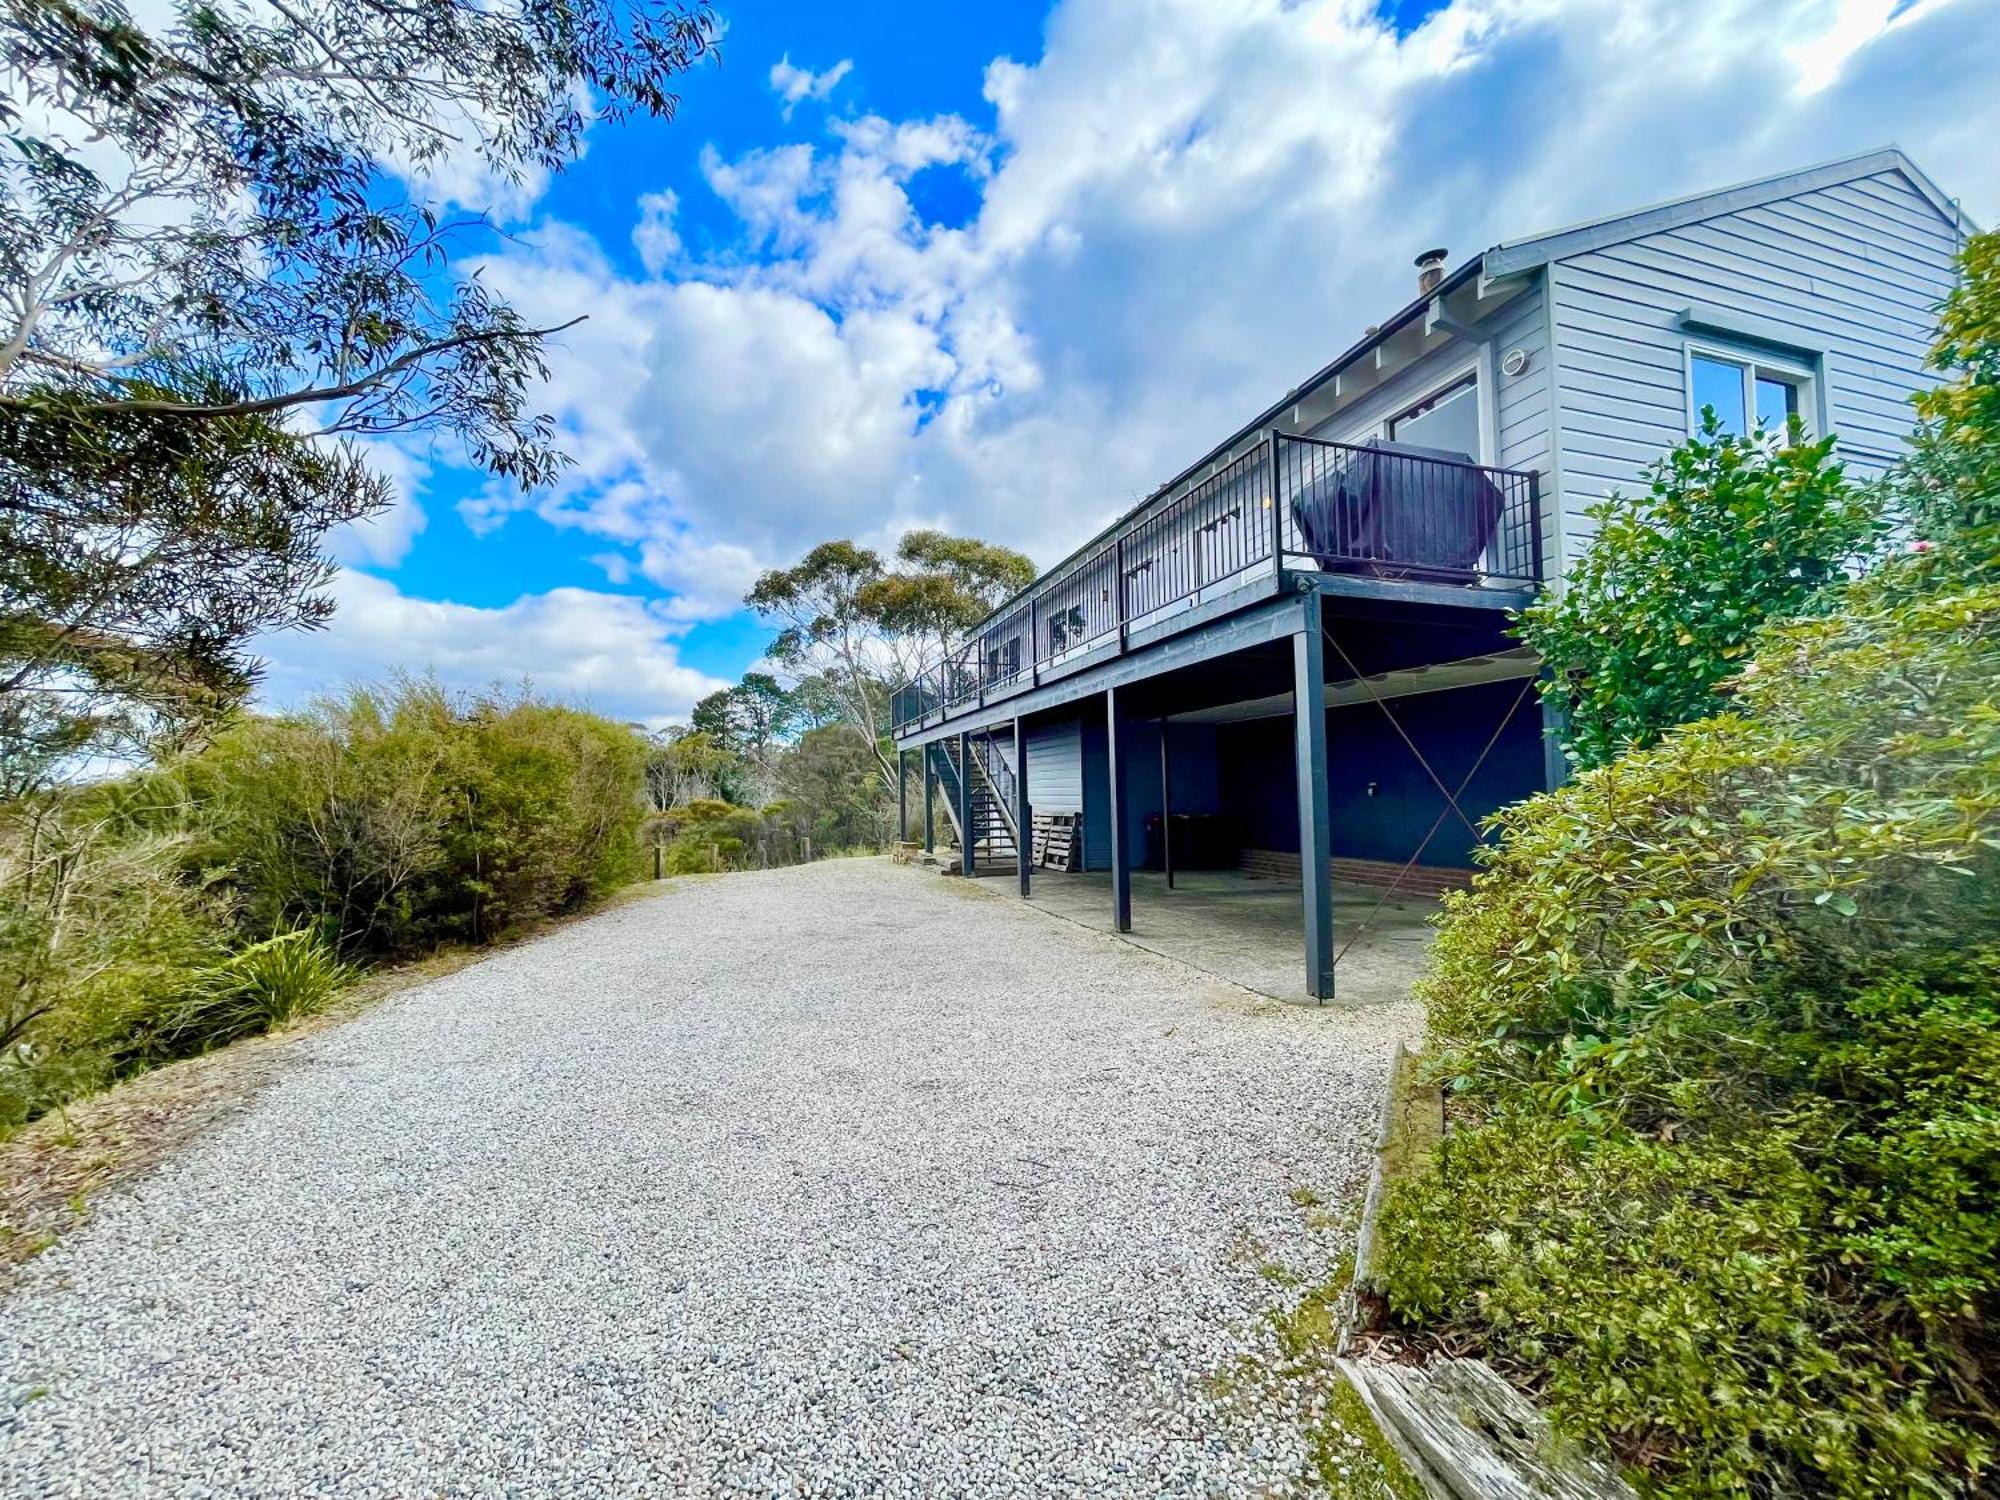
[1305, 726]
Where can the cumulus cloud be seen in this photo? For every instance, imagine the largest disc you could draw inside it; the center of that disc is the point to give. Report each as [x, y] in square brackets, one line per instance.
[795, 85]
[609, 652]
[655, 237]
[1172, 224]
[385, 540]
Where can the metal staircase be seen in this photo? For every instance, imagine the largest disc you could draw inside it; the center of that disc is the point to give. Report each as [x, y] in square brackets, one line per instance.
[993, 785]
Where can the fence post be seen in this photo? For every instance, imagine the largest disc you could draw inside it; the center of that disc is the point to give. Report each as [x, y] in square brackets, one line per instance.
[1118, 589]
[1277, 514]
[659, 859]
[1535, 518]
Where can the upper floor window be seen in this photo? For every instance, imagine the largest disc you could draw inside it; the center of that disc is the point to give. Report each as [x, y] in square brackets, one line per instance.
[1745, 392]
[1446, 419]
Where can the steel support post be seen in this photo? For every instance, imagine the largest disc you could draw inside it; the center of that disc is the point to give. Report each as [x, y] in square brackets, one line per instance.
[1024, 817]
[1315, 828]
[1121, 853]
[930, 816]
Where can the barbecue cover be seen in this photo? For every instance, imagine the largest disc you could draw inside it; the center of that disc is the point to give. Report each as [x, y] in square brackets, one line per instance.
[1394, 510]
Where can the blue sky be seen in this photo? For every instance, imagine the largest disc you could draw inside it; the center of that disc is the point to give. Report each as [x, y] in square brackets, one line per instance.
[1004, 268]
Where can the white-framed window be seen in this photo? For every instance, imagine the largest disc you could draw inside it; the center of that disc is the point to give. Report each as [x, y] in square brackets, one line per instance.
[1747, 391]
[1448, 418]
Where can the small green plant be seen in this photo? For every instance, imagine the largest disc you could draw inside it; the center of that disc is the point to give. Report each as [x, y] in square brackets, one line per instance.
[264, 987]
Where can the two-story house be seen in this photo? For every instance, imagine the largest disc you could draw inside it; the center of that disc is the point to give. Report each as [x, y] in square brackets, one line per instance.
[1294, 656]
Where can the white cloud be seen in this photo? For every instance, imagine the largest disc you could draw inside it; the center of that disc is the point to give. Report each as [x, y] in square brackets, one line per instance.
[1175, 221]
[385, 540]
[616, 565]
[795, 85]
[655, 237]
[608, 652]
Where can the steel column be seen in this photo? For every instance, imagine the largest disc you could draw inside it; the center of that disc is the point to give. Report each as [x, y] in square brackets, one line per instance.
[1024, 818]
[1166, 809]
[1315, 829]
[1535, 520]
[968, 860]
[930, 817]
[902, 796]
[1121, 854]
[1277, 508]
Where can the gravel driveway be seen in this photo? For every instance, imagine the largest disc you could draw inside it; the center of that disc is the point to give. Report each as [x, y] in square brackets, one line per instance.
[844, 1180]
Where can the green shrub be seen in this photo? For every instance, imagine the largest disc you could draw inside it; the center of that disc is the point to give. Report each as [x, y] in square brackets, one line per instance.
[1948, 484]
[398, 819]
[1665, 603]
[134, 913]
[1721, 1022]
[99, 929]
[708, 834]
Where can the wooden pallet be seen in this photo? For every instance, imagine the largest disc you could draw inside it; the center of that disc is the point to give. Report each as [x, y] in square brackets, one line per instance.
[1058, 841]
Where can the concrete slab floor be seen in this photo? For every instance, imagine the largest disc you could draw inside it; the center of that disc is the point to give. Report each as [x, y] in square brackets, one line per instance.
[1249, 931]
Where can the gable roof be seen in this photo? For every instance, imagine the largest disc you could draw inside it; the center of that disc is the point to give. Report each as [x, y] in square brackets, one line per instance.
[1513, 256]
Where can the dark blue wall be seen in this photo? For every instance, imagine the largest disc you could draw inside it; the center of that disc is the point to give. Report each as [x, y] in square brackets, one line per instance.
[1450, 728]
[1191, 762]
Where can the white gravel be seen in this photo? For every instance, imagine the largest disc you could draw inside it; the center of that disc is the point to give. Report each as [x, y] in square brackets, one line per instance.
[846, 1180]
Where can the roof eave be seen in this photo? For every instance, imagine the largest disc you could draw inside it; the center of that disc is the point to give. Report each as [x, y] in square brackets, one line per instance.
[1513, 257]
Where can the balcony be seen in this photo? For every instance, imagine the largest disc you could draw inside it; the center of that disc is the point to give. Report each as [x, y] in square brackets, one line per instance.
[1384, 514]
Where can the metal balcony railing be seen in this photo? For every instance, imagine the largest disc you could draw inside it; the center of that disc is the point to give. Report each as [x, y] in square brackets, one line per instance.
[1373, 510]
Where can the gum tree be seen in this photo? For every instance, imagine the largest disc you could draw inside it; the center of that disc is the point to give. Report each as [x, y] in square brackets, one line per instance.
[212, 283]
[857, 628]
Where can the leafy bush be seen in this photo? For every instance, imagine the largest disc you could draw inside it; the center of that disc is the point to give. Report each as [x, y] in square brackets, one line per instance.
[1948, 482]
[1720, 1022]
[135, 914]
[709, 834]
[1665, 603]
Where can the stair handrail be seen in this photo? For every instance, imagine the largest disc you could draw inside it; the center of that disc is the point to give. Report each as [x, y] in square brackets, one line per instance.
[1000, 781]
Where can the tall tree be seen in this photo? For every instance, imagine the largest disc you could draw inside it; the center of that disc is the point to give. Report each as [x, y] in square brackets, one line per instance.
[763, 712]
[944, 586]
[863, 628]
[209, 282]
[826, 631]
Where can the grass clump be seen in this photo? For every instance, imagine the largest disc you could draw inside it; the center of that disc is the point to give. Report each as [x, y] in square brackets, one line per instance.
[264, 987]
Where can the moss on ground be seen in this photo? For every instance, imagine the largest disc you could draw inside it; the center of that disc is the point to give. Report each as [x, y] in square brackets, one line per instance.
[1347, 1455]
